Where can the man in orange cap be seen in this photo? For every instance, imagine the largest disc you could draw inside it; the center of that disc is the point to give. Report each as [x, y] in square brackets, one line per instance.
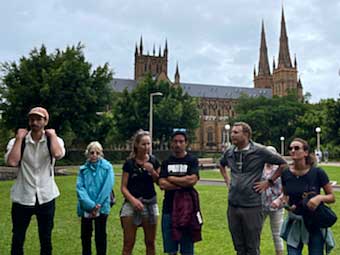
[35, 190]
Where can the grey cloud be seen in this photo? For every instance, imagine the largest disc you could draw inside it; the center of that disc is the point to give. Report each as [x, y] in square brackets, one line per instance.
[214, 42]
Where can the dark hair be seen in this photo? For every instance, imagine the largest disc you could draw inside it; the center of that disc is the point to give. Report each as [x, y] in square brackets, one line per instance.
[310, 158]
[179, 132]
[245, 128]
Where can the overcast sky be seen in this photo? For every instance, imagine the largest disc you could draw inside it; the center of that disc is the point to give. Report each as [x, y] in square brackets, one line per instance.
[214, 42]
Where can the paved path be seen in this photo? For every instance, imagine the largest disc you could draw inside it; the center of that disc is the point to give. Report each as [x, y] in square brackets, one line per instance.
[213, 182]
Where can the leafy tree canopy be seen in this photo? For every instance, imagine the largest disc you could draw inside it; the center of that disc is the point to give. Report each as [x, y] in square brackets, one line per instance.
[270, 118]
[64, 83]
[175, 109]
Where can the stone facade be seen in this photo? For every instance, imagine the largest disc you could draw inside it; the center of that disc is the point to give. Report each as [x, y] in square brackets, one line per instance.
[153, 64]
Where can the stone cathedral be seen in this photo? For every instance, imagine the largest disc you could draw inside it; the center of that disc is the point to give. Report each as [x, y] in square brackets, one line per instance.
[216, 102]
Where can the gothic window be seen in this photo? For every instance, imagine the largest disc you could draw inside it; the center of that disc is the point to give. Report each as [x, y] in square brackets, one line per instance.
[210, 135]
[205, 112]
[145, 67]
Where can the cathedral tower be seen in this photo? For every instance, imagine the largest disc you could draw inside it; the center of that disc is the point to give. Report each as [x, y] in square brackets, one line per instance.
[285, 75]
[153, 64]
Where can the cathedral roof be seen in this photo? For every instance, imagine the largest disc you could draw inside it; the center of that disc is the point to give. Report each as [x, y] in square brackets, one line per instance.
[202, 90]
[220, 91]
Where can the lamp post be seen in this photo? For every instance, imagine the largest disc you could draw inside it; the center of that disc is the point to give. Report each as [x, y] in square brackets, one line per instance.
[318, 130]
[150, 114]
[227, 128]
[282, 145]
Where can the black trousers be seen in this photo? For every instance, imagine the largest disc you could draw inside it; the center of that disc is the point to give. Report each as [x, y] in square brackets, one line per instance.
[100, 234]
[21, 218]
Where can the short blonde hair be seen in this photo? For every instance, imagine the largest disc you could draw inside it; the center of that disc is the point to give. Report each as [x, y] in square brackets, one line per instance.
[94, 145]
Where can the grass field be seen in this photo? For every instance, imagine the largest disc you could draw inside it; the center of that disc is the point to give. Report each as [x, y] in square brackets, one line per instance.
[66, 234]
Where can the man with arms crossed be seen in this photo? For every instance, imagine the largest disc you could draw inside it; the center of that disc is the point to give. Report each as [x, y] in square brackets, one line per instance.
[246, 160]
[179, 171]
[35, 190]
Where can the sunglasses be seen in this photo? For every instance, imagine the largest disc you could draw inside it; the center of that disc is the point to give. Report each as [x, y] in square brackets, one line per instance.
[296, 148]
[94, 152]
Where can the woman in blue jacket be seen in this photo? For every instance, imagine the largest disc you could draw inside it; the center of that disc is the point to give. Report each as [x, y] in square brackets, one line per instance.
[94, 184]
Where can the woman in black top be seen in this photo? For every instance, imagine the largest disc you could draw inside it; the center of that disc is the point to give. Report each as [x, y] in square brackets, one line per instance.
[140, 208]
[300, 179]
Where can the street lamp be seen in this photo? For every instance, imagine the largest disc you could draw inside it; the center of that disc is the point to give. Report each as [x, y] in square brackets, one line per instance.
[227, 128]
[318, 130]
[150, 114]
[282, 145]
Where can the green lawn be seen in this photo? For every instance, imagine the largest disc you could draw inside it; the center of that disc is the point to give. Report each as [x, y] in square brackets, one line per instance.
[66, 234]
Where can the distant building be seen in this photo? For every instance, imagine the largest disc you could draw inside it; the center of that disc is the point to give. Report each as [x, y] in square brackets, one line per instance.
[216, 102]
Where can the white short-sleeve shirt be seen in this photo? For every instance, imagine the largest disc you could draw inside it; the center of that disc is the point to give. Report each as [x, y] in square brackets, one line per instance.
[36, 173]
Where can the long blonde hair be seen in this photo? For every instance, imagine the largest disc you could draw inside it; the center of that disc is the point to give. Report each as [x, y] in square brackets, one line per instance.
[137, 137]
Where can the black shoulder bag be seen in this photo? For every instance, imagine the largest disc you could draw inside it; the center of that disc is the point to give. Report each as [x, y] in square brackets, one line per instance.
[322, 217]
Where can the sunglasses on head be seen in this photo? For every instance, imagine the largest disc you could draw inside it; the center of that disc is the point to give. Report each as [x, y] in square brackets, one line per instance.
[296, 148]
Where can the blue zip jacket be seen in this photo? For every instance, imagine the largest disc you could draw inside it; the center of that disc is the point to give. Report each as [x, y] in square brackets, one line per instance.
[94, 184]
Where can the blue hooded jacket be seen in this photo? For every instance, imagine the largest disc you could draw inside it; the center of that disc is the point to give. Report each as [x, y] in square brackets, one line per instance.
[94, 184]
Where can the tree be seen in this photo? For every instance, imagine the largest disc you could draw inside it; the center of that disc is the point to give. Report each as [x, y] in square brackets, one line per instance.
[64, 83]
[325, 115]
[270, 118]
[175, 109]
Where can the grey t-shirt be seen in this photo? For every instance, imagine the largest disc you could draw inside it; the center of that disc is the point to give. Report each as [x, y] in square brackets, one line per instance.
[246, 169]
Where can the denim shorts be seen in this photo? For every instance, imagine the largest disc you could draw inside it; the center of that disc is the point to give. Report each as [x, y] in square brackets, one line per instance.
[171, 246]
[128, 210]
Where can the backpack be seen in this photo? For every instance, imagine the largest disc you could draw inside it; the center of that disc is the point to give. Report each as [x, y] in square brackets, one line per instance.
[48, 143]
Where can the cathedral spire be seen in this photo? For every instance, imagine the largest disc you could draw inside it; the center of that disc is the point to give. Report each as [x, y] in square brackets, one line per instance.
[166, 48]
[154, 50]
[263, 62]
[284, 57]
[160, 51]
[177, 76]
[141, 46]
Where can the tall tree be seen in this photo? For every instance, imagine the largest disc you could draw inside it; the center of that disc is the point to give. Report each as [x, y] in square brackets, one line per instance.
[270, 118]
[175, 109]
[64, 83]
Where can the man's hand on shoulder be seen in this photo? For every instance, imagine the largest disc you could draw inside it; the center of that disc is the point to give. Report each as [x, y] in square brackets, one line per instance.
[50, 132]
[21, 133]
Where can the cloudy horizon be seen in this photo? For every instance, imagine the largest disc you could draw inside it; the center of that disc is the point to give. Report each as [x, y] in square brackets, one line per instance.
[215, 42]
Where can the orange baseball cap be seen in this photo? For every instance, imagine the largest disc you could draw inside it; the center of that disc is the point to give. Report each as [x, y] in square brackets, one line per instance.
[39, 111]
